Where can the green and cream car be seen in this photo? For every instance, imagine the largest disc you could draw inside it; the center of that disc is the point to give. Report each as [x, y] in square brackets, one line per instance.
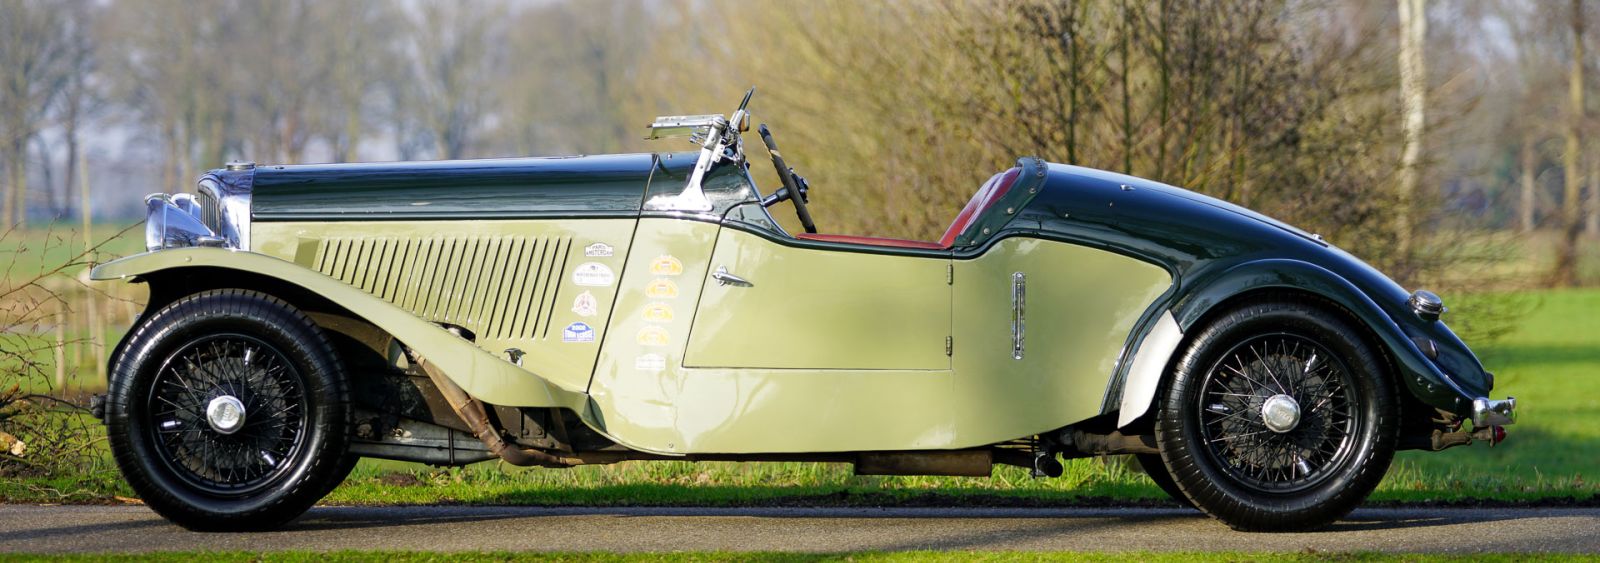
[557, 312]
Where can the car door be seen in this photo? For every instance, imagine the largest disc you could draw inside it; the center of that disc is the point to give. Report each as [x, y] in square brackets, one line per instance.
[777, 305]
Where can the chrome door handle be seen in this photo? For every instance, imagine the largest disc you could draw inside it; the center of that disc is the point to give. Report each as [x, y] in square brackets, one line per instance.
[724, 278]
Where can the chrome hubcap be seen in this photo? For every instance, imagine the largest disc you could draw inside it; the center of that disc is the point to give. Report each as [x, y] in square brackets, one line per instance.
[225, 414]
[1280, 413]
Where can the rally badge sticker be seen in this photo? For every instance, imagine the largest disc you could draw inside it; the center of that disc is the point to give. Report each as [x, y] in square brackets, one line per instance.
[666, 265]
[652, 335]
[577, 332]
[651, 363]
[598, 250]
[658, 313]
[585, 305]
[661, 288]
[593, 274]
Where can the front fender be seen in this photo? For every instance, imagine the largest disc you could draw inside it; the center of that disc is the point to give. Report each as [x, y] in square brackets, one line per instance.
[1421, 376]
[480, 373]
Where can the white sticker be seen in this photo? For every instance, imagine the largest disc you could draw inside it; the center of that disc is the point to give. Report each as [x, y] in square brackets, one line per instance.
[593, 274]
[585, 305]
[652, 363]
[577, 332]
[598, 250]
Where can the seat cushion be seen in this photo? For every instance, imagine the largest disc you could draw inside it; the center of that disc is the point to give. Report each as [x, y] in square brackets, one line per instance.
[991, 192]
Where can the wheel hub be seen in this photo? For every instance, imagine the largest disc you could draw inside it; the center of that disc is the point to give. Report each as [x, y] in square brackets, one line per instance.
[1280, 413]
[225, 414]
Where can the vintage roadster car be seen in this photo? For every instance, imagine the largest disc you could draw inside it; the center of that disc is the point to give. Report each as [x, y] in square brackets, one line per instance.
[557, 312]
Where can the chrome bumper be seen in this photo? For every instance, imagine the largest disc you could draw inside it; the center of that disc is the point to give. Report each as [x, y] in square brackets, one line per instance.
[1489, 412]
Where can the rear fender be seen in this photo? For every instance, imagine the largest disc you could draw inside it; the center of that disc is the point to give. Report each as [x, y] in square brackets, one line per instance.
[1421, 377]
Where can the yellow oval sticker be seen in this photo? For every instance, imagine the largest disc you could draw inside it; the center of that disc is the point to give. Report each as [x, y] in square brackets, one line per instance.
[666, 265]
[652, 335]
[658, 313]
[661, 288]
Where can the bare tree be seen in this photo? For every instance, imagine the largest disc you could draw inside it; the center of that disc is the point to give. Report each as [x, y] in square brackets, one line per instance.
[1566, 268]
[31, 53]
[452, 62]
[176, 79]
[1413, 96]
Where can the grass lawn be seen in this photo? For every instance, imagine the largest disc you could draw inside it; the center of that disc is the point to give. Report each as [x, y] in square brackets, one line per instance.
[1551, 364]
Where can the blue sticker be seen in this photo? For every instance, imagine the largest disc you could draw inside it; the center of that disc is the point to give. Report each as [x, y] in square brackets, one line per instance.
[577, 332]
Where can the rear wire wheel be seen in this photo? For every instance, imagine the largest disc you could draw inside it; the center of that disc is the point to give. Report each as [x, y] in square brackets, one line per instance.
[1279, 416]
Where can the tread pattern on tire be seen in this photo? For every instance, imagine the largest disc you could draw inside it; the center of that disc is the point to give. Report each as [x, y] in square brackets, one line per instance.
[1326, 502]
[304, 339]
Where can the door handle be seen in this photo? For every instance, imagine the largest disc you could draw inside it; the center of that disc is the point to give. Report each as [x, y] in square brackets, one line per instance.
[724, 278]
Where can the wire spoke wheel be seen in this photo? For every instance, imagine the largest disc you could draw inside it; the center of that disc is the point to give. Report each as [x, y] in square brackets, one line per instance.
[228, 414]
[1277, 413]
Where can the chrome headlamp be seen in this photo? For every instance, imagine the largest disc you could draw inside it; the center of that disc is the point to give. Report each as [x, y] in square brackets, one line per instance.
[218, 216]
[174, 222]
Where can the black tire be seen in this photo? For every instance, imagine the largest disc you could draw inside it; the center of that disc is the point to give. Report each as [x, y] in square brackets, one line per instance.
[1156, 470]
[346, 465]
[1290, 473]
[219, 473]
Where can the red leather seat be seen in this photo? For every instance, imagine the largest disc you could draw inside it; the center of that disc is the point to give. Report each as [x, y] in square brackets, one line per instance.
[991, 191]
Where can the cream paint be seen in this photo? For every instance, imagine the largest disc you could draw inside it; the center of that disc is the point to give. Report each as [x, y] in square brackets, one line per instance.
[1082, 303]
[809, 308]
[514, 283]
[1149, 368]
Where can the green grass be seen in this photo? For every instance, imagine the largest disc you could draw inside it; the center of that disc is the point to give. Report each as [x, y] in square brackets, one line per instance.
[33, 250]
[1551, 363]
[870, 556]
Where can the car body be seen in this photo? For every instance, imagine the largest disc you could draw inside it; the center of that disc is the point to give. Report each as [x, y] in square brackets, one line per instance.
[647, 306]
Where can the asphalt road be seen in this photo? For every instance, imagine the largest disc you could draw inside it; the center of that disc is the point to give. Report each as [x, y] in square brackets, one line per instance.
[1456, 530]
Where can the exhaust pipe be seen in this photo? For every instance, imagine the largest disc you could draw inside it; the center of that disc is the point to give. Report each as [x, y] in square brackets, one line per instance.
[1441, 440]
[472, 412]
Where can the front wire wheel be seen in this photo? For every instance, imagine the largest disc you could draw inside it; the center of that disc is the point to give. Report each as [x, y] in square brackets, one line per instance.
[229, 413]
[1278, 417]
[228, 410]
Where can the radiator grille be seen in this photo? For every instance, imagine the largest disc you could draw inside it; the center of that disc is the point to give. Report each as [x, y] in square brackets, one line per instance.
[500, 287]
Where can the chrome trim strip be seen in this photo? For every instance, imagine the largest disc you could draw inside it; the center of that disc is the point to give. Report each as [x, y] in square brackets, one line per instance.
[1149, 368]
[1019, 303]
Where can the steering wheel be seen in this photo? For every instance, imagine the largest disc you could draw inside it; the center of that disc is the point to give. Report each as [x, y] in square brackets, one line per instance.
[794, 186]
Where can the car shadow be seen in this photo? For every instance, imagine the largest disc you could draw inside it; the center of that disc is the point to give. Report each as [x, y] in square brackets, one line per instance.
[1039, 520]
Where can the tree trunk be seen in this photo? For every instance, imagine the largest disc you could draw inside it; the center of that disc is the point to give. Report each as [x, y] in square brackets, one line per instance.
[1527, 201]
[97, 344]
[1127, 97]
[71, 169]
[1413, 99]
[1566, 271]
[1165, 95]
[47, 175]
[16, 211]
[1592, 198]
[1074, 44]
